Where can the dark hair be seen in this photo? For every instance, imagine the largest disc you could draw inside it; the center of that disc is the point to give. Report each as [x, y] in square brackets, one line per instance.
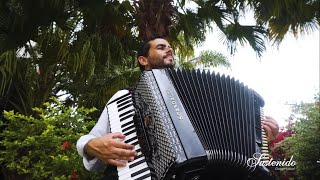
[145, 47]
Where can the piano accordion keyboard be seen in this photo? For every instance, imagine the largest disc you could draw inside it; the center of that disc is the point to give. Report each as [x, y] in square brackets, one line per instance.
[121, 112]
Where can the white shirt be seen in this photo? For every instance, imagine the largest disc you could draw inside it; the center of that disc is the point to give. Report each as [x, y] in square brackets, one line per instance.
[101, 128]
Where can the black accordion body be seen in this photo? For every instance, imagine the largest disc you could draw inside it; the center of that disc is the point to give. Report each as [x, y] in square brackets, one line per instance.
[198, 125]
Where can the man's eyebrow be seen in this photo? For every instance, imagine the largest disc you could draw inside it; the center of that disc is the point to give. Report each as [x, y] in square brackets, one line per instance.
[162, 45]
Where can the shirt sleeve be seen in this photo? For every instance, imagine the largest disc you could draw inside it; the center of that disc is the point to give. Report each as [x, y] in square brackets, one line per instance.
[101, 128]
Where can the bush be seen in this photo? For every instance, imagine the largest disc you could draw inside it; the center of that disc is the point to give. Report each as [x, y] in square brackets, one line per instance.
[304, 146]
[43, 146]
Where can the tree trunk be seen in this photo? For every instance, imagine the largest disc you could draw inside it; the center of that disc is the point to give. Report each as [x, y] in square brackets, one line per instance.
[154, 17]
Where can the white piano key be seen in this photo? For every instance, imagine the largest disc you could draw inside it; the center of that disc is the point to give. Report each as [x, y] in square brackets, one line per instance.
[119, 94]
[118, 111]
[116, 126]
[119, 129]
[123, 170]
[128, 130]
[130, 136]
[142, 174]
[136, 147]
[130, 163]
[117, 116]
[126, 173]
[114, 110]
[119, 126]
[123, 121]
[115, 113]
[125, 102]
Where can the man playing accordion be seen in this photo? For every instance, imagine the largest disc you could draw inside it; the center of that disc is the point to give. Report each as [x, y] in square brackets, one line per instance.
[101, 147]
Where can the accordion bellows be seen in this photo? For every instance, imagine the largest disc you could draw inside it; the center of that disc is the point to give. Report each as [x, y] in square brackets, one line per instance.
[189, 122]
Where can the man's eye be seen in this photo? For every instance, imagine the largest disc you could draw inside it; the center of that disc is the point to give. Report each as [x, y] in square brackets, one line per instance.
[161, 47]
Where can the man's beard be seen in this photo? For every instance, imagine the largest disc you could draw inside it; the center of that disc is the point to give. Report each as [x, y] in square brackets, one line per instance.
[161, 65]
[156, 64]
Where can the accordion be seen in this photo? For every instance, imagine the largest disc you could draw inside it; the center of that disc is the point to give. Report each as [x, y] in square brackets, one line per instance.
[190, 124]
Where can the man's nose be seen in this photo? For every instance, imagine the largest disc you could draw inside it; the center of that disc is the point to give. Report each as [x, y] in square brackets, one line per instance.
[169, 50]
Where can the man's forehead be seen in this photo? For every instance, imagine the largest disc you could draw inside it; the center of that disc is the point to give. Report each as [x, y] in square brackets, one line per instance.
[159, 41]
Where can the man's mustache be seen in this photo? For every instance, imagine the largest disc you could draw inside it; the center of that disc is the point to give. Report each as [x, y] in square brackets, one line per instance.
[168, 55]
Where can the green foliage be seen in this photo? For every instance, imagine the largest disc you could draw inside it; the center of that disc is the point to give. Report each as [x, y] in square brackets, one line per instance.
[77, 47]
[78, 54]
[206, 59]
[304, 146]
[213, 59]
[281, 17]
[43, 146]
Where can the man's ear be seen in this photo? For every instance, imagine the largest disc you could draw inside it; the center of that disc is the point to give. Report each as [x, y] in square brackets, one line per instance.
[143, 61]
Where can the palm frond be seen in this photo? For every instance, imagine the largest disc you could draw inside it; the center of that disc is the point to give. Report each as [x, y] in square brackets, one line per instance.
[212, 59]
[236, 33]
[8, 66]
[287, 16]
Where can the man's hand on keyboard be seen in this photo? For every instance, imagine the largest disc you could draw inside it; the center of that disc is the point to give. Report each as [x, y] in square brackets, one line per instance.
[109, 149]
[271, 127]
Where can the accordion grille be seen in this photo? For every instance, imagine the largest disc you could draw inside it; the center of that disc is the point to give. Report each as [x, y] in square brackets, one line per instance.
[158, 144]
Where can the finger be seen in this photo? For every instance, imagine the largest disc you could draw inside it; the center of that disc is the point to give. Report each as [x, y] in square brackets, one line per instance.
[125, 158]
[122, 145]
[116, 163]
[274, 128]
[117, 135]
[267, 129]
[117, 156]
[270, 119]
[124, 152]
[272, 124]
[267, 117]
[270, 136]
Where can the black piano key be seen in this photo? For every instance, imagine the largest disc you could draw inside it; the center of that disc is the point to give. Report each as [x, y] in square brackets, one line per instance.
[135, 143]
[125, 102]
[126, 124]
[130, 132]
[143, 177]
[137, 163]
[126, 117]
[138, 150]
[125, 107]
[125, 98]
[119, 99]
[128, 128]
[139, 156]
[131, 139]
[125, 113]
[139, 172]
